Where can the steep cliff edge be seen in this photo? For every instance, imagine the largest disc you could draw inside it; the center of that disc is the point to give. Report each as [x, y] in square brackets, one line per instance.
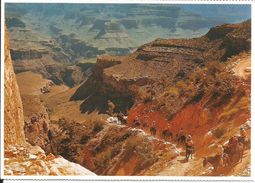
[13, 110]
[20, 158]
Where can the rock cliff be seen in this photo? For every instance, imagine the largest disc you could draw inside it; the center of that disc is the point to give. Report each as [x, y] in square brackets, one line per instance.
[20, 158]
[159, 65]
[13, 110]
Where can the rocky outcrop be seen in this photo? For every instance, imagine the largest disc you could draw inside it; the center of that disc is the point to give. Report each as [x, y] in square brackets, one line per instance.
[13, 110]
[102, 87]
[160, 64]
[238, 40]
[108, 149]
[220, 31]
[76, 48]
[129, 23]
[37, 131]
[57, 73]
[30, 161]
[27, 54]
[112, 30]
[20, 158]
[14, 22]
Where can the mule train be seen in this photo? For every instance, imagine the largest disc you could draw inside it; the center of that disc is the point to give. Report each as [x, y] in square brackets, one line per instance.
[232, 154]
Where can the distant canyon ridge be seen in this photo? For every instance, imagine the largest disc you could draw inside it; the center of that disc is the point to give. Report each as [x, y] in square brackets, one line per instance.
[62, 41]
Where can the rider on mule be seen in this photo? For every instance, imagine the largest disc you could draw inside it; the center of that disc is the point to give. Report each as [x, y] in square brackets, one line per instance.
[233, 142]
[189, 147]
[234, 149]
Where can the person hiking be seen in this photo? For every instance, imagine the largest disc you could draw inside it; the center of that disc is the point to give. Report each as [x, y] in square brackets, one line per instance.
[219, 150]
[235, 149]
[232, 145]
[111, 107]
[121, 118]
[136, 122]
[233, 142]
[189, 147]
[224, 157]
[153, 129]
[242, 136]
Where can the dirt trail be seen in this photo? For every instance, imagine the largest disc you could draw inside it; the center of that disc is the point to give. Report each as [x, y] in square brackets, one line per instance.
[180, 166]
[243, 66]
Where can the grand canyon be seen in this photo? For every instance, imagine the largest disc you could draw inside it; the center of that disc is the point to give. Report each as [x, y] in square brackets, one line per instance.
[118, 89]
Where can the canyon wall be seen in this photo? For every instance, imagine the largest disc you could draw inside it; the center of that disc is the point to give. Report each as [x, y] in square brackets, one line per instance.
[20, 158]
[13, 110]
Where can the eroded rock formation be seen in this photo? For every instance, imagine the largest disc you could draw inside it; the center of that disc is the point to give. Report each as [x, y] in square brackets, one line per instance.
[161, 64]
[20, 158]
[13, 110]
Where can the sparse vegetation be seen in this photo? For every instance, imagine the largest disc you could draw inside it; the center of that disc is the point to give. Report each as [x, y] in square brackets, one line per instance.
[213, 83]
[145, 95]
[84, 139]
[102, 159]
[98, 126]
[236, 105]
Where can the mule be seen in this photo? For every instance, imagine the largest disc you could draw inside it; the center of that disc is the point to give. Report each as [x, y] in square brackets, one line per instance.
[137, 124]
[145, 125]
[181, 139]
[215, 161]
[153, 131]
[166, 134]
[235, 153]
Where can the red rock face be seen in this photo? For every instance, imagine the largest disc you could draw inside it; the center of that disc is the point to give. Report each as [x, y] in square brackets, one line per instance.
[196, 119]
[13, 110]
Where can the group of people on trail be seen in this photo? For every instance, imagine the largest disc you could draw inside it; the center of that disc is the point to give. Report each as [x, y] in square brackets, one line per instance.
[224, 154]
[231, 153]
[236, 145]
[181, 137]
[153, 128]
